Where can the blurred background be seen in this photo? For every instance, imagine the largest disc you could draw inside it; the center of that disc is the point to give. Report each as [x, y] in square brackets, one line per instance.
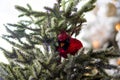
[102, 29]
[103, 24]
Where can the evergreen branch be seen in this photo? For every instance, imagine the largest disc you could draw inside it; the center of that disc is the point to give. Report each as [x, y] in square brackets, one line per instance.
[22, 26]
[46, 67]
[54, 11]
[33, 29]
[39, 54]
[69, 10]
[31, 40]
[9, 54]
[40, 20]
[12, 73]
[22, 56]
[105, 65]
[5, 52]
[87, 7]
[48, 20]
[39, 14]
[59, 1]
[26, 46]
[11, 42]
[29, 12]
[23, 75]
[26, 58]
[109, 53]
[13, 34]
[3, 69]
[30, 8]
[103, 73]
[112, 55]
[35, 71]
[22, 9]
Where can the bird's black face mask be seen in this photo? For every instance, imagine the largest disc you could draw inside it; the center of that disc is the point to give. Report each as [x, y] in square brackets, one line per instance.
[64, 44]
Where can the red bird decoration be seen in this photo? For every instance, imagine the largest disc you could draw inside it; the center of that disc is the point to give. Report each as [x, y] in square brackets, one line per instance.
[68, 45]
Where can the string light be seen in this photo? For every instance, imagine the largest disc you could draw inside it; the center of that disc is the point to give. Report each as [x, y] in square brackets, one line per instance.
[96, 44]
[118, 61]
[117, 26]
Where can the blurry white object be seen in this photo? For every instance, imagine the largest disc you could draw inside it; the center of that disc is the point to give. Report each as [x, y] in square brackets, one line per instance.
[118, 39]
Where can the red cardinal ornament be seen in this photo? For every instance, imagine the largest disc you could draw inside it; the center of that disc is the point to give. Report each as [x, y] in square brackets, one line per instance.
[68, 45]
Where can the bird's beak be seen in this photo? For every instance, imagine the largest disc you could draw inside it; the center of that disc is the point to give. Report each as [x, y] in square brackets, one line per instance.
[62, 44]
